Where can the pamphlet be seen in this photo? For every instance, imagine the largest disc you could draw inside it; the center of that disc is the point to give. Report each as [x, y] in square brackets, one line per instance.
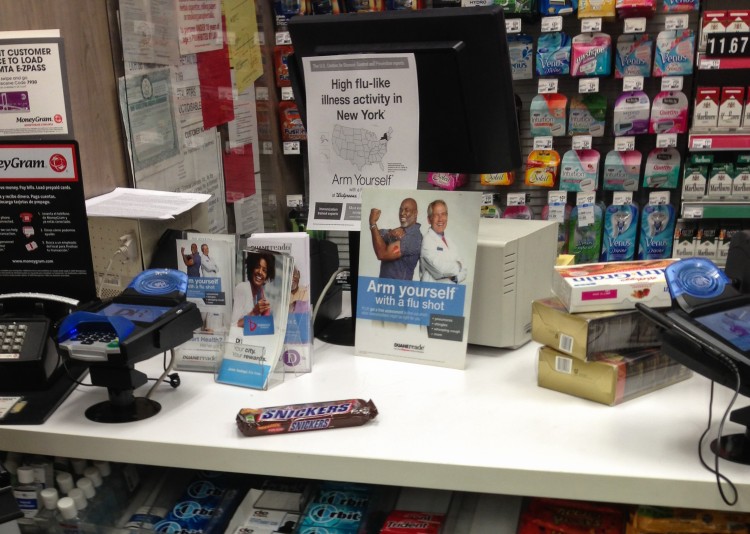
[260, 307]
[297, 356]
[416, 275]
[208, 260]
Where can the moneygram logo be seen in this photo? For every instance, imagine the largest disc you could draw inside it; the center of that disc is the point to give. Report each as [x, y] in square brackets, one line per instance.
[58, 163]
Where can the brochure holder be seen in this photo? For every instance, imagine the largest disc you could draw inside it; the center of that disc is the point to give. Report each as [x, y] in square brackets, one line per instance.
[253, 348]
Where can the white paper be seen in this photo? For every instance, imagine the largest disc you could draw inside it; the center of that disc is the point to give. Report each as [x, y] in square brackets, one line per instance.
[131, 203]
[149, 31]
[362, 131]
[248, 215]
[199, 25]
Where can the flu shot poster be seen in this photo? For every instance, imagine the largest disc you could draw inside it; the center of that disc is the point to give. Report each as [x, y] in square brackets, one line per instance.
[362, 131]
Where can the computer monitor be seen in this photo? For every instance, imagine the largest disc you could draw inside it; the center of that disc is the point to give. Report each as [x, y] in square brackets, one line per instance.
[467, 110]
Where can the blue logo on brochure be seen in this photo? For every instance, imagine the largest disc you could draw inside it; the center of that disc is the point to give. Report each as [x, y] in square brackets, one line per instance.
[258, 325]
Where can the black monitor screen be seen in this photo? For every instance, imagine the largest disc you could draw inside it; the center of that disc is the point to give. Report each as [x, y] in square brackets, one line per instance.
[733, 326]
[467, 111]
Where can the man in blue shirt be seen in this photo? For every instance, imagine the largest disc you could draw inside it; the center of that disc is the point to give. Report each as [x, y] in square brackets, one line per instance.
[192, 261]
[397, 249]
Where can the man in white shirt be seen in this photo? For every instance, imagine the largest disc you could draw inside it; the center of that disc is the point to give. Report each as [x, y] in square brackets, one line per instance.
[208, 265]
[439, 260]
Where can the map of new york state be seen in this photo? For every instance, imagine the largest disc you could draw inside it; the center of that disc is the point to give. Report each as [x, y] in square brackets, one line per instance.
[359, 146]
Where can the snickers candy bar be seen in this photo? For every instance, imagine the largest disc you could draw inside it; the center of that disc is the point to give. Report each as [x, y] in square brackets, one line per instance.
[302, 417]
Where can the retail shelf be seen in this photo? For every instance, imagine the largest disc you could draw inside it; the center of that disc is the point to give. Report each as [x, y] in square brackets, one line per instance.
[718, 209]
[711, 142]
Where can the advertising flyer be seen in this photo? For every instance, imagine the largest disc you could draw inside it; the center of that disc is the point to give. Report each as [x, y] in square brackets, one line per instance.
[416, 275]
[33, 88]
[44, 237]
[362, 131]
[208, 260]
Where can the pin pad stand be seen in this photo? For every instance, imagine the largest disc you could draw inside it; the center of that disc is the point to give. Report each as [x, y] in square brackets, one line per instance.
[150, 317]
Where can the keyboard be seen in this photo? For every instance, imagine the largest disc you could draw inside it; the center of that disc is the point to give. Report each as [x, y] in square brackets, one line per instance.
[23, 339]
[92, 342]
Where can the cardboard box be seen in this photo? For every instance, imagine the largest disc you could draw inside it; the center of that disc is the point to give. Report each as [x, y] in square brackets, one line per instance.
[582, 335]
[612, 379]
[612, 285]
[731, 107]
[706, 112]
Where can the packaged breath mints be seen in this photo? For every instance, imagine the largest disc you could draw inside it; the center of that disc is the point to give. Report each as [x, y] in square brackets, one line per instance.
[557, 7]
[553, 54]
[591, 55]
[633, 57]
[657, 232]
[632, 113]
[585, 239]
[674, 53]
[587, 114]
[620, 235]
[596, 8]
[622, 170]
[669, 113]
[521, 52]
[547, 114]
[681, 6]
[542, 167]
[579, 170]
[662, 168]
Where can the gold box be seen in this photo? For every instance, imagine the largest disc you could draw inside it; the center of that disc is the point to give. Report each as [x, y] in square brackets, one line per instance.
[582, 335]
[611, 380]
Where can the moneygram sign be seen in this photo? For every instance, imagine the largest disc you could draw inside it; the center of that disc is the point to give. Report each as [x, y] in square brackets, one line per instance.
[39, 163]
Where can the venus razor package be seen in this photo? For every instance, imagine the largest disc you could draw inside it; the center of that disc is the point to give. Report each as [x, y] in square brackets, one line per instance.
[674, 53]
[585, 240]
[587, 114]
[447, 180]
[547, 114]
[542, 168]
[591, 55]
[657, 232]
[523, 213]
[553, 54]
[681, 6]
[499, 178]
[633, 55]
[516, 6]
[563, 226]
[669, 113]
[579, 170]
[632, 113]
[662, 168]
[521, 52]
[596, 8]
[557, 7]
[622, 170]
[620, 235]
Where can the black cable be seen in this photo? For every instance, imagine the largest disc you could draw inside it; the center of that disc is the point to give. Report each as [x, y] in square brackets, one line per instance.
[715, 470]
